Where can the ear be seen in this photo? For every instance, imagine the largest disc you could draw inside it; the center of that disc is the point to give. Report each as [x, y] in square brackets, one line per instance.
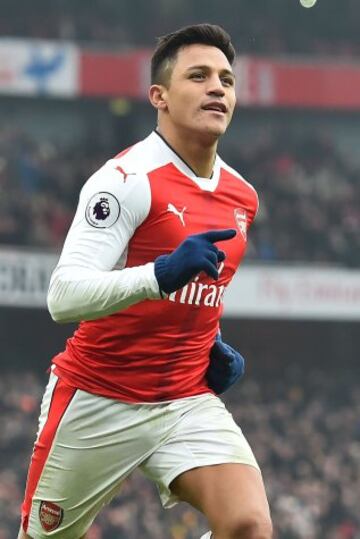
[158, 96]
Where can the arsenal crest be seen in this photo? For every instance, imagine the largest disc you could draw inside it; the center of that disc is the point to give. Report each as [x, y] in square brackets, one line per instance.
[50, 516]
[241, 221]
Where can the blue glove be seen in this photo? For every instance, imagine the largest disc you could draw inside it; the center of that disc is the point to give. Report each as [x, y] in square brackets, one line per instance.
[225, 367]
[195, 254]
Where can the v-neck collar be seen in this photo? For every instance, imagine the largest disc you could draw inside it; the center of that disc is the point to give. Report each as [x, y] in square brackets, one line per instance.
[206, 184]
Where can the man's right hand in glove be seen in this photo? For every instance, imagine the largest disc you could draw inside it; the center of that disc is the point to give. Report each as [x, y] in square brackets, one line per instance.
[195, 254]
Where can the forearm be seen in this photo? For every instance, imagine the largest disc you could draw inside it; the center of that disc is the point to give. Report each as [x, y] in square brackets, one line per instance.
[77, 293]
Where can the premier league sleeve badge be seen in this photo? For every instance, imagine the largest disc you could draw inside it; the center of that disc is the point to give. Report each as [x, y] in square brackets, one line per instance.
[102, 210]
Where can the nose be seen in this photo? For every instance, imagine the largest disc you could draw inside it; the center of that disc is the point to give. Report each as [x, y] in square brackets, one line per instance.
[215, 87]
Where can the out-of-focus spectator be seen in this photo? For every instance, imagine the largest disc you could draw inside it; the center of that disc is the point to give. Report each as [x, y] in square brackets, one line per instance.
[309, 202]
[39, 189]
[257, 27]
[309, 196]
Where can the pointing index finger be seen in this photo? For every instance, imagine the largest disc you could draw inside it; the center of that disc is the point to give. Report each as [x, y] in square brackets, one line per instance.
[219, 235]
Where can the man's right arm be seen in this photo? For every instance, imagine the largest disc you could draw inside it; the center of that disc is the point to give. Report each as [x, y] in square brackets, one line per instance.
[85, 285]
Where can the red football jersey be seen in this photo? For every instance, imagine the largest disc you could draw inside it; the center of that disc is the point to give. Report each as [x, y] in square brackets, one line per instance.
[157, 350]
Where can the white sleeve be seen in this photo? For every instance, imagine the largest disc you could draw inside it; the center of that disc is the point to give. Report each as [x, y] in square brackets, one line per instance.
[85, 284]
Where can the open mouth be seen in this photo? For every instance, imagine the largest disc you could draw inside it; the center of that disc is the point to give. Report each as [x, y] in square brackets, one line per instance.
[215, 106]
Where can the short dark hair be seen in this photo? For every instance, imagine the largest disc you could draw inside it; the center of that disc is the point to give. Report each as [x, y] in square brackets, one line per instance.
[169, 45]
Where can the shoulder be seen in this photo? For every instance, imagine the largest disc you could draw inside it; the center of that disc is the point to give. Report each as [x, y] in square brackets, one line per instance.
[111, 193]
[145, 156]
[244, 184]
[113, 178]
[236, 175]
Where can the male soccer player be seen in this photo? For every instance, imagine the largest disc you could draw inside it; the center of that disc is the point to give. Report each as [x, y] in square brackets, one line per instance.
[157, 236]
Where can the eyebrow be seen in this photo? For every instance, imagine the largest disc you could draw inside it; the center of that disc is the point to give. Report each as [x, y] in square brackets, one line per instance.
[207, 68]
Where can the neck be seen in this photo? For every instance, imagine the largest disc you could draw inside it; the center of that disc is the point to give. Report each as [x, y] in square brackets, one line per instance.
[198, 153]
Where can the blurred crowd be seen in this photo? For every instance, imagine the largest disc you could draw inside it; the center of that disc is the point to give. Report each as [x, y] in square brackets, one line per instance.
[309, 201]
[309, 196]
[304, 429]
[256, 27]
[39, 188]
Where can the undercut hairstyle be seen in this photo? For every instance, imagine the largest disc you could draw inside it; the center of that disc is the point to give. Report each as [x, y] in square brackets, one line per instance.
[164, 57]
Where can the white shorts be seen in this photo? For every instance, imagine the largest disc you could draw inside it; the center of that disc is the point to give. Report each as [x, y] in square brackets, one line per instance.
[87, 445]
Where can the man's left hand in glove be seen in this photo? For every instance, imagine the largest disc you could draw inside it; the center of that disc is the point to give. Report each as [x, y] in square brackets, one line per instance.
[225, 368]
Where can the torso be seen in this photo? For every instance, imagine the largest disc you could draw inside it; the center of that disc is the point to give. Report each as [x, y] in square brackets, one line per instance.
[159, 350]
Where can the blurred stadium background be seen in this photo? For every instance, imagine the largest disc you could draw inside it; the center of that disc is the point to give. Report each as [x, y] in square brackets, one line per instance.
[73, 79]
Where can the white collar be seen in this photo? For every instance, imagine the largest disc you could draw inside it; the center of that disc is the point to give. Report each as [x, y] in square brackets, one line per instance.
[206, 184]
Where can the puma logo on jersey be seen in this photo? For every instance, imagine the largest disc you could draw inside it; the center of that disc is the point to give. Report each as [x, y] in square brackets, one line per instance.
[125, 174]
[174, 210]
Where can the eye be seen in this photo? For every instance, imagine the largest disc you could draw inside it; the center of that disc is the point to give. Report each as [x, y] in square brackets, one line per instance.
[197, 76]
[227, 81]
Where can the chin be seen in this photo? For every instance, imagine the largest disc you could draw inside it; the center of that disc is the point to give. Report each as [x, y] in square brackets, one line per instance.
[213, 130]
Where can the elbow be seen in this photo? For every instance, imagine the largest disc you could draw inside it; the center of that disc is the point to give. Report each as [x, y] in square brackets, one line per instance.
[57, 304]
[56, 312]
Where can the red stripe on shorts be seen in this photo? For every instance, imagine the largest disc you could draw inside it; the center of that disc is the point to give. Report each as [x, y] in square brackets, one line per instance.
[60, 400]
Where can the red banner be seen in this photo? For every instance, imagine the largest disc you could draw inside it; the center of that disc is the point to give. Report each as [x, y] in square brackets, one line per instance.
[115, 75]
[37, 67]
[294, 83]
[260, 82]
